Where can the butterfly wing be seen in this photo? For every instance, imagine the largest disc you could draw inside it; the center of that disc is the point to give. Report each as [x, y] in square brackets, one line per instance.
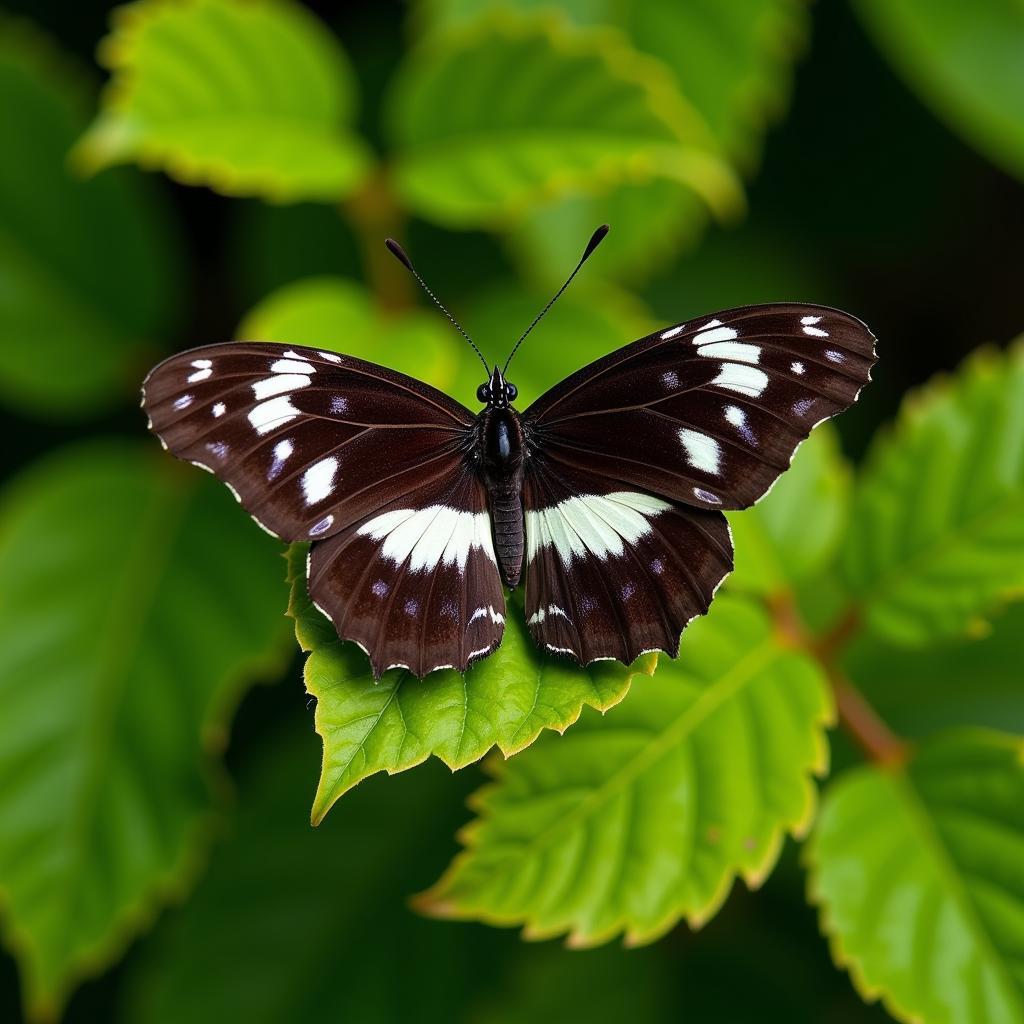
[633, 458]
[370, 464]
[707, 413]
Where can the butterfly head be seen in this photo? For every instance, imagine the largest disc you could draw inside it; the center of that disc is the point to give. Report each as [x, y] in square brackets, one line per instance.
[497, 393]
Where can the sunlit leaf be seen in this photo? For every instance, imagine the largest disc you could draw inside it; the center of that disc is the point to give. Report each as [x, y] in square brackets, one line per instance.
[504, 700]
[936, 536]
[493, 118]
[250, 97]
[88, 269]
[794, 531]
[339, 315]
[135, 603]
[918, 874]
[964, 61]
[643, 817]
[731, 61]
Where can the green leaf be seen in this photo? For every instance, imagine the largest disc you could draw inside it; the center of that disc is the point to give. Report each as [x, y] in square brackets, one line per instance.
[638, 819]
[135, 603]
[505, 700]
[793, 532]
[733, 62]
[89, 269]
[964, 62]
[936, 537]
[918, 874]
[250, 97]
[511, 111]
[339, 315]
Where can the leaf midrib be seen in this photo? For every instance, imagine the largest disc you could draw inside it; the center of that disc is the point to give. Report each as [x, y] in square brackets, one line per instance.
[739, 676]
[943, 860]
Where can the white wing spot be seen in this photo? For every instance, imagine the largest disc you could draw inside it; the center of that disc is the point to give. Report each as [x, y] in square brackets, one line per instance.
[339, 404]
[738, 418]
[803, 406]
[318, 480]
[183, 403]
[736, 351]
[331, 357]
[292, 366]
[702, 452]
[201, 374]
[714, 332]
[797, 368]
[711, 499]
[278, 384]
[671, 332]
[380, 588]
[670, 379]
[282, 450]
[218, 448]
[219, 408]
[202, 364]
[268, 415]
[747, 380]
[833, 356]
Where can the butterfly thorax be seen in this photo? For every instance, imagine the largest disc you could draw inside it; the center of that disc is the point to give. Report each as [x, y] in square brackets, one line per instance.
[500, 444]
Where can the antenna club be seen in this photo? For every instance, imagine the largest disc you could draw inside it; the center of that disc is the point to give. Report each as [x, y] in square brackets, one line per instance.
[595, 240]
[399, 253]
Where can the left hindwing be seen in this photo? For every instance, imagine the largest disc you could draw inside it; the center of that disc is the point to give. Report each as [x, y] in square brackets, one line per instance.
[710, 412]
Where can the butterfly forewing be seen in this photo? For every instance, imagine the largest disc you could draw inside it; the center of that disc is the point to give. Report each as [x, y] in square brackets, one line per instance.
[709, 412]
[323, 447]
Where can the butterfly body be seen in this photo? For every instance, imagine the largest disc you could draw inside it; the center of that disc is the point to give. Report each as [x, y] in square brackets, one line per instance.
[604, 497]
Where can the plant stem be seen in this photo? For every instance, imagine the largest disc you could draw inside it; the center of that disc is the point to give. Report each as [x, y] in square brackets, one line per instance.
[856, 715]
[375, 214]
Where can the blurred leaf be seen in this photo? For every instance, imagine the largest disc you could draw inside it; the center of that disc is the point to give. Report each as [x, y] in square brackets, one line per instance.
[511, 111]
[250, 97]
[964, 60]
[638, 819]
[504, 700]
[292, 924]
[87, 269]
[918, 874]
[794, 531]
[959, 681]
[936, 534]
[134, 606]
[581, 327]
[731, 61]
[332, 313]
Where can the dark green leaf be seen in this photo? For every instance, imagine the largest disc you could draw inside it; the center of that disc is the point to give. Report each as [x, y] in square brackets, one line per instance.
[135, 604]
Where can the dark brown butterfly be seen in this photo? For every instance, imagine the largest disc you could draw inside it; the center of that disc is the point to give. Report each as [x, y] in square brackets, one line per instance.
[606, 495]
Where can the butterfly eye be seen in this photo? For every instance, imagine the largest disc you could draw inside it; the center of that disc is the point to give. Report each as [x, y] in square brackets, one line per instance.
[512, 391]
[483, 393]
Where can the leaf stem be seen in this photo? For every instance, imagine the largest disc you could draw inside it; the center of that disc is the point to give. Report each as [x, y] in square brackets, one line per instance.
[375, 214]
[856, 715]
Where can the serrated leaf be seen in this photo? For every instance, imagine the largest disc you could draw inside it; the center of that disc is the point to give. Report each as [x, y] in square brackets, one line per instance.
[89, 269]
[636, 820]
[133, 608]
[493, 118]
[504, 700]
[332, 313]
[918, 872]
[793, 532]
[964, 62]
[936, 536]
[732, 62]
[250, 97]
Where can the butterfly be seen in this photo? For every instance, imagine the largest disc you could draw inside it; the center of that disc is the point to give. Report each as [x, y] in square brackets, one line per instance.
[604, 498]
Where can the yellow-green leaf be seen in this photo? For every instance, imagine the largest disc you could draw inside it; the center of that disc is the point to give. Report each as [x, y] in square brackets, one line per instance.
[919, 872]
[647, 815]
[250, 97]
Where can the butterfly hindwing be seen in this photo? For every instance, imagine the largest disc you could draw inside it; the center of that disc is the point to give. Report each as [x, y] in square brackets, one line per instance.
[371, 465]
[612, 572]
[708, 413]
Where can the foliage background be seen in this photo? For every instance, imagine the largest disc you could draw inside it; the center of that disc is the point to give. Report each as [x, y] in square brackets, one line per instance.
[864, 159]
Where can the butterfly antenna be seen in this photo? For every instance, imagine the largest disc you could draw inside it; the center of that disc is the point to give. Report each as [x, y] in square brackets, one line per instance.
[595, 240]
[400, 254]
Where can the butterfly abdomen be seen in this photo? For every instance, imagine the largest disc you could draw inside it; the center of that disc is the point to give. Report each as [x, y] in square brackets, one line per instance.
[501, 446]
